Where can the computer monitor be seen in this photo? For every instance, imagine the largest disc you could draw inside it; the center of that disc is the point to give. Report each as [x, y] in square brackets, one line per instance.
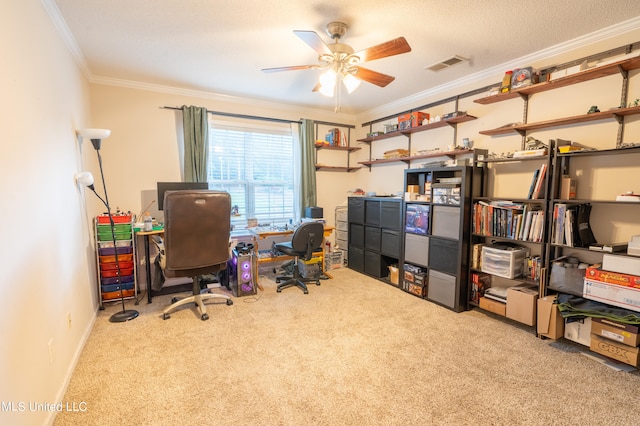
[177, 186]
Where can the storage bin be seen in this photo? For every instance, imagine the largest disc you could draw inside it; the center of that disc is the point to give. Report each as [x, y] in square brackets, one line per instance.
[117, 218]
[503, 260]
[390, 243]
[119, 236]
[114, 280]
[446, 222]
[442, 288]
[443, 255]
[416, 249]
[109, 266]
[121, 258]
[108, 273]
[116, 287]
[107, 251]
[116, 294]
[124, 243]
[372, 238]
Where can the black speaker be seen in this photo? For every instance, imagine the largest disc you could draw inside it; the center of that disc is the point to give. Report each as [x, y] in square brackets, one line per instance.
[243, 271]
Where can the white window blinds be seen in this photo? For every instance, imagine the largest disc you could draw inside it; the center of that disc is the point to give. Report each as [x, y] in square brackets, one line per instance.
[253, 162]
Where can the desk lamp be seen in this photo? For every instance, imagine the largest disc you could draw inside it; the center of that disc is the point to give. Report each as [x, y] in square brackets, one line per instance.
[86, 178]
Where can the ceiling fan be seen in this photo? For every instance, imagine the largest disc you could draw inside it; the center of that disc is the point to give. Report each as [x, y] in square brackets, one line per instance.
[342, 62]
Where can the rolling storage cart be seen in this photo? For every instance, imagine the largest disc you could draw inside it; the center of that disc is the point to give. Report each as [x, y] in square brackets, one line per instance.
[110, 283]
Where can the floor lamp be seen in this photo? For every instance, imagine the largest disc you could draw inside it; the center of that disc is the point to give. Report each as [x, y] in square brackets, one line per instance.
[86, 178]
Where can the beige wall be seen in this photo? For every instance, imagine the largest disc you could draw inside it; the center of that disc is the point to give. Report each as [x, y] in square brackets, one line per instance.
[143, 148]
[46, 262]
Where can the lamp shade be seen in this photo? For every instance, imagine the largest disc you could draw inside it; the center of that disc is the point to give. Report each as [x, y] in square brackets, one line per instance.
[94, 133]
[84, 178]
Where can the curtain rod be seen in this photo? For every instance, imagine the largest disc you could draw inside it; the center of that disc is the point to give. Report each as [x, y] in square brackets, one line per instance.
[255, 117]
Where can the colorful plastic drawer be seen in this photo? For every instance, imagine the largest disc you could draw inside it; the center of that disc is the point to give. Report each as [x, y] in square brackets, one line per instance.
[114, 272]
[110, 266]
[116, 294]
[121, 258]
[117, 218]
[114, 280]
[107, 251]
[116, 287]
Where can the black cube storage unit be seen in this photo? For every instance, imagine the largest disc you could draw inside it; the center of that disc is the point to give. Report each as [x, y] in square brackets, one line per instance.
[436, 231]
[374, 235]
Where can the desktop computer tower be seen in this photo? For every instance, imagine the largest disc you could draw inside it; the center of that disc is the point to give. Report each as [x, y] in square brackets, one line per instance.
[242, 270]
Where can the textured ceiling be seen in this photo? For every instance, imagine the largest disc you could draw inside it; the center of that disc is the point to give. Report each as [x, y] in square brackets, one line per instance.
[221, 46]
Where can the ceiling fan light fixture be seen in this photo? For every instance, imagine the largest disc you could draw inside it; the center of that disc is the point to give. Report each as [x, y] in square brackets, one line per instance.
[328, 82]
[350, 82]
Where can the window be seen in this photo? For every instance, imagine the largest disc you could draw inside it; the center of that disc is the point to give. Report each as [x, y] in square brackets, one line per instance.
[253, 163]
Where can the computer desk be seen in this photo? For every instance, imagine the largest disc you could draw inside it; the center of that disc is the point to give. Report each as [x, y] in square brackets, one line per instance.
[147, 235]
[276, 233]
[328, 230]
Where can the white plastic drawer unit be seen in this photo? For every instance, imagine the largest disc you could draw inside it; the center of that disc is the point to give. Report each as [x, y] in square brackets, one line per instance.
[503, 261]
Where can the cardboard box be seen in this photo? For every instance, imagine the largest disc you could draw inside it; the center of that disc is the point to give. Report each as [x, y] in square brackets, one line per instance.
[493, 306]
[394, 275]
[578, 331]
[550, 322]
[521, 303]
[627, 334]
[612, 294]
[609, 277]
[417, 289]
[411, 119]
[618, 351]
[620, 263]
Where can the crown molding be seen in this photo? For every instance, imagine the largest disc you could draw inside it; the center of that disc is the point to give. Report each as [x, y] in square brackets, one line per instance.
[292, 110]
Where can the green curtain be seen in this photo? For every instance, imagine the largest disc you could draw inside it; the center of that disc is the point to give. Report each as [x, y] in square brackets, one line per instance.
[307, 165]
[196, 143]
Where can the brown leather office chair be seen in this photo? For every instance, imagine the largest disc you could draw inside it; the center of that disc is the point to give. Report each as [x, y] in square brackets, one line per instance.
[196, 240]
[306, 239]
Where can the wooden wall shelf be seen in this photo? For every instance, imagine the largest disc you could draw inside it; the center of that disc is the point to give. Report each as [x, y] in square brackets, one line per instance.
[522, 128]
[586, 75]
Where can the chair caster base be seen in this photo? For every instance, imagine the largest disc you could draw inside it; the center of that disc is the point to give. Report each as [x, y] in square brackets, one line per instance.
[229, 302]
[166, 316]
[204, 317]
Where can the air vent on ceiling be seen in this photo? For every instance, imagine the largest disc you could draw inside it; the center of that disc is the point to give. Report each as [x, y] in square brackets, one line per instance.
[446, 63]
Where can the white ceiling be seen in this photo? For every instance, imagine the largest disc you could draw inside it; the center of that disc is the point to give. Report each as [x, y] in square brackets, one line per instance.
[220, 46]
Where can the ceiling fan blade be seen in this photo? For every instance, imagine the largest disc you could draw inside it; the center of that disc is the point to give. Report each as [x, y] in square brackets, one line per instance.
[313, 40]
[373, 77]
[293, 68]
[392, 47]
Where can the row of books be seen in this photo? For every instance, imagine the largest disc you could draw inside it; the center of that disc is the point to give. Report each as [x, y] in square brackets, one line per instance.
[508, 220]
[571, 225]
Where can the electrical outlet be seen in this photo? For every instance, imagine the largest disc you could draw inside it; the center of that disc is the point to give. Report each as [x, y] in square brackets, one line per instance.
[68, 319]
[52, 352]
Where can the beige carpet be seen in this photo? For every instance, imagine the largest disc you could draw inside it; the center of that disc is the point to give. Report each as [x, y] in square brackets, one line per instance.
[354, 351]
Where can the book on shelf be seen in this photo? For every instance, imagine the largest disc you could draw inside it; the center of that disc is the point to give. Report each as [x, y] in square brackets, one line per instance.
[609, 248]
[532, 187]
[538, 191]
[558, 236]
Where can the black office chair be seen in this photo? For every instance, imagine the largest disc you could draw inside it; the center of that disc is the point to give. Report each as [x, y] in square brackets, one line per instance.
[306, 239]
[197, 226]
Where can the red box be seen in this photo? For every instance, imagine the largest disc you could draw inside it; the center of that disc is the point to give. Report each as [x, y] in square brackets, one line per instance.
[609, 277]
[117, 218]
[414, 118]
[112, 266]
